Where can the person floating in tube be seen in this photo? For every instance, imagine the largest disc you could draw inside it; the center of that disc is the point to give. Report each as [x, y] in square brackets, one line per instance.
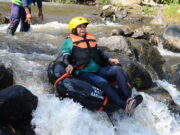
[80, 49]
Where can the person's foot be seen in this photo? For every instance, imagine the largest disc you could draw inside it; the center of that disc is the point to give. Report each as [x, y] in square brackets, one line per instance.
[130, 106]
[10, 32]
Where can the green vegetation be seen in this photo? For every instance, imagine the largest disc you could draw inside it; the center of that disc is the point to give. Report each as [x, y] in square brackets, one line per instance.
[149, 10]
[105, 1]
[170, 1]
[170, 12]
[171, 9]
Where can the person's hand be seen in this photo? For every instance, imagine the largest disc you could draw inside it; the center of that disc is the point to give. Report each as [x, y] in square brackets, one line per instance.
[69, 69]
[40, 14]
[28, 18]
[114, 61]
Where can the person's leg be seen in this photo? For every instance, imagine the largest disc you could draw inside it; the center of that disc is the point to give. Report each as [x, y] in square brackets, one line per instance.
[15, 18]
[104, 85]
[24, 25]
[117, 74]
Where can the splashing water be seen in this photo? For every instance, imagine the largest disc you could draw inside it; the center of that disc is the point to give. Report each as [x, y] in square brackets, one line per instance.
[175, 94]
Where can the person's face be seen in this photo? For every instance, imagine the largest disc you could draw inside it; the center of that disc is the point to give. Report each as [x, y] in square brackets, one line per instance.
[81, 30]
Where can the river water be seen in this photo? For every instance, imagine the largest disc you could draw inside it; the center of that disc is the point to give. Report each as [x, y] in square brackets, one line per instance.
[29, 54]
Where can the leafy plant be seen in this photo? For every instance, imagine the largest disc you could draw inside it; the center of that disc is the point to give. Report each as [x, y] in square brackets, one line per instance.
[148, 10]
[105, 1]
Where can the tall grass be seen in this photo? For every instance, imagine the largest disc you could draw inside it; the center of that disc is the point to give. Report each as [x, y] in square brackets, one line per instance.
[170, 12]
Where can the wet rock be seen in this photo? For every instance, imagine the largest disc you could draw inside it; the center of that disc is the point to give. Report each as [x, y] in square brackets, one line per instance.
[143, 33]
[150, 57]
[172, 44]
[160, 95]
[175, 68]
[6, 77]
[163, 96]
[175, 75]
[3, 19]
[174, 108]
[106, 7]
[148, 30]
[116, 32]
[138, 74]
[172, 38]
[139, 33]
[121, 14]
[153, 39]
[116, 43]
[172, 31]
[123, 30]
[135, 20]
[16, 109]
[108, 14]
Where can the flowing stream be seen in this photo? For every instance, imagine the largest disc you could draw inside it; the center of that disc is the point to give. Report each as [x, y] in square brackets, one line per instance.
[29, 54]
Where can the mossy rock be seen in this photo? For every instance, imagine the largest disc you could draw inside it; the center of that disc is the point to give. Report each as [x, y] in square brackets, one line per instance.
[140, 77]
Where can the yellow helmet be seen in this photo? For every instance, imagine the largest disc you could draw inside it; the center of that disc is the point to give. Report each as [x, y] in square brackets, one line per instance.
[74, 22]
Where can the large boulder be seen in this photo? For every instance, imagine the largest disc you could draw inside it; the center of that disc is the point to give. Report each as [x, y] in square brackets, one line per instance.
[163, 96]
[122, 30]
[140, 78]
[160, 95]
[6, 77]
[175, 75]
[16, 106]
[3, 19]
[149, 56]
[116, 43]
[172, 38]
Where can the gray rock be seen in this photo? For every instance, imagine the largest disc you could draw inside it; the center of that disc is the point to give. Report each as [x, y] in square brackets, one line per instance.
[172, 38]
[6, 77]
[172, 31]
[150, 57]
[116, 43]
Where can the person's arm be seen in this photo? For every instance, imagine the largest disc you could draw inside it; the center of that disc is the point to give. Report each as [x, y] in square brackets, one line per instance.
[107, 58]
[28, 13]
[103, 55]
[66, 51]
